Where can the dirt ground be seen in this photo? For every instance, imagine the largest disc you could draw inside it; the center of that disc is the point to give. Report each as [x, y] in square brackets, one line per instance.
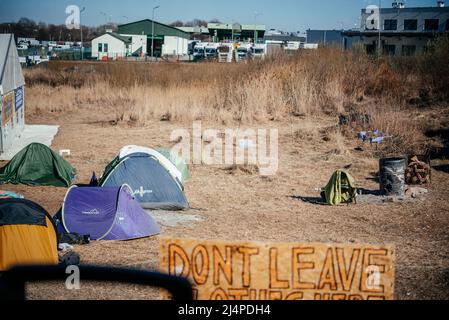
[238, 205]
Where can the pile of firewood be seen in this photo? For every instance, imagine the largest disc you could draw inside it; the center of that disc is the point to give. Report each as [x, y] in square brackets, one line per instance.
[418, 172]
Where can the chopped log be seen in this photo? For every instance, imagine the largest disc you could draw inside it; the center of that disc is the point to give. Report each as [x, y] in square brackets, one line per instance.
[418, 172]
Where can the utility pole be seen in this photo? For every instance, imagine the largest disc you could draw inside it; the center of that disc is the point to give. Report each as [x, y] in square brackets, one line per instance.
[380, 31]
[81, 29]
[152, 33]
[256, 14]
[105, 20]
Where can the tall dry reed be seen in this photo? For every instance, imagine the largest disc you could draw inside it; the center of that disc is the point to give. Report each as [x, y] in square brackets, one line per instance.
[326, 81]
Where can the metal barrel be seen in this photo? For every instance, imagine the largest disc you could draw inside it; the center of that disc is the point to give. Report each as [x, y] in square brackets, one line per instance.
[392, 176]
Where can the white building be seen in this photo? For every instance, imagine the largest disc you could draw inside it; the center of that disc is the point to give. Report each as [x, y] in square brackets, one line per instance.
[175, 46]
[401, 30]
[12, 97]
[112, 46]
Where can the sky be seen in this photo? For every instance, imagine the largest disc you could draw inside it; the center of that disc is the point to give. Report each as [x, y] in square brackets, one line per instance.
[286, 15]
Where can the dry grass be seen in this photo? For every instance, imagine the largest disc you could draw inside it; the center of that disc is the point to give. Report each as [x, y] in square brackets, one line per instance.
[237, 204]
[310, 83]
[109, 105]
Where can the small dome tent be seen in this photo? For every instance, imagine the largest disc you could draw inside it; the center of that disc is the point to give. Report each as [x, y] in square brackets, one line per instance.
[106, 214]
[27, 235]
[38, 165]
[154, 180]
[163, 159]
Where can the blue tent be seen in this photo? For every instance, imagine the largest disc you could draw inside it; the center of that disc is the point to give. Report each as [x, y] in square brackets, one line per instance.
[105, 214]
[152, 184]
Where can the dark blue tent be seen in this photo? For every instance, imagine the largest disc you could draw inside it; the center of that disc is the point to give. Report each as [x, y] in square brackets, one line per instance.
[152, 184]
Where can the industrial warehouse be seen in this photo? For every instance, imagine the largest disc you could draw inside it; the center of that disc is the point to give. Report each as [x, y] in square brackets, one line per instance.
[269, 152]
[140, 39]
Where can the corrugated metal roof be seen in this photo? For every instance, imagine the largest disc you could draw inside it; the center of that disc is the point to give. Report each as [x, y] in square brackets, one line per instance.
[257, 27]
[11, 76]
[124, 39]
[228, 26]
[145, 27]
[194, 29]
[283, 37]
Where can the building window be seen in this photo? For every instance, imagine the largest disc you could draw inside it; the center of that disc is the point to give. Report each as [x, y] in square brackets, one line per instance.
[389, 50]
[408, 50]
[105, 47]
[391, 24]
[100, 47]
[411, 25]
[431, 24]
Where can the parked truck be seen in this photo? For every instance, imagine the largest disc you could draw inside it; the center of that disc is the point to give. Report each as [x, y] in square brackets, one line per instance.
[199, 53]
[243, 53]
[225, 53]
[211, 52]
[258, 52]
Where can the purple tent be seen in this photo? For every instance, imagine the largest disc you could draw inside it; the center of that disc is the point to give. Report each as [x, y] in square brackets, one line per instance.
[106, 214]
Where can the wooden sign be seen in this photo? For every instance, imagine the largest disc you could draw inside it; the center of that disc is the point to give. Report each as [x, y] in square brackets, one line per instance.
[281, 271]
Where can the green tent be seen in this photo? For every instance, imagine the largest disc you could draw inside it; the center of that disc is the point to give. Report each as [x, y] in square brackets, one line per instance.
[341, 188]
[178, 161]
[38, 165]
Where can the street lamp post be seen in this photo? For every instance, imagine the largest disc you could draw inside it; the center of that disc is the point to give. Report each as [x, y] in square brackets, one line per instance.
[81, 29]
[256, 14]
[232, 27]
[152, 33]
[380, 32]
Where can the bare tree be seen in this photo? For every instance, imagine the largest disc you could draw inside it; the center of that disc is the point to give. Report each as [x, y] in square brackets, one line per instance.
[177, 23]
[27, 28]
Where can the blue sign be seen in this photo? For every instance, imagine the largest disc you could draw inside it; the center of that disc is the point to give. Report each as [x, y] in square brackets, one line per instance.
[18, 98]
